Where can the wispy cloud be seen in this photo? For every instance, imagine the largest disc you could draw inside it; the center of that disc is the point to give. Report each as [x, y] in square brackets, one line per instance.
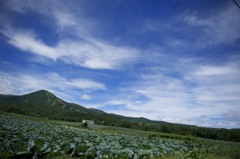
[27, 41]
[181, 68]
[196, 90]
[85, 84]
[65, 88]
[221, 27]
[85, 97]
[90, 54]
[216, 70]
[197, 29]
[83, 49]
[5, 86]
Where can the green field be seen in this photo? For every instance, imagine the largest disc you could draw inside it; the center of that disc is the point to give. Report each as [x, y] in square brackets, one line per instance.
[29, 137]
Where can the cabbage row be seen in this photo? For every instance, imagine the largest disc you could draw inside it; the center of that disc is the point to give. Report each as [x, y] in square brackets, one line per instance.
[22, 138]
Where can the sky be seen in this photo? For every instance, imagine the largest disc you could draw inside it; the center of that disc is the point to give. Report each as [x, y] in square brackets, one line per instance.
[176, 61]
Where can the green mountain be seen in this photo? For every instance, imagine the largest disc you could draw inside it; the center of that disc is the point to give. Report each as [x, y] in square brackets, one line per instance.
[39, 97]
[44, 104]
[44, 98]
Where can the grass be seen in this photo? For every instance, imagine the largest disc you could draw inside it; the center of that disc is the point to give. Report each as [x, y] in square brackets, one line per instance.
[224, 149]
[127, 131]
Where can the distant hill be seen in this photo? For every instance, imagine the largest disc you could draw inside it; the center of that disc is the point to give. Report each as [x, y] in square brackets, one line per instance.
[41, 97]
[46, 105]
[55, 107]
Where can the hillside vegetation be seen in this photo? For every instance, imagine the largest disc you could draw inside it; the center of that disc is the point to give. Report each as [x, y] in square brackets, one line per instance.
[44, 104]
[31, 137]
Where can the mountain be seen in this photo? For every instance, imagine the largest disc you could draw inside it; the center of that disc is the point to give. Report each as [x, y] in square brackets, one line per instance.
[45, 104]
[39, 97]
[46, 99]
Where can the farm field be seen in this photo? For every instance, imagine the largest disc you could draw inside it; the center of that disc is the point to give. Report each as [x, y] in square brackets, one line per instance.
[29, 137]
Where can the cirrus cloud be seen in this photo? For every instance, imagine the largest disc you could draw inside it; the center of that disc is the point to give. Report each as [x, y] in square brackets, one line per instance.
[82, 49]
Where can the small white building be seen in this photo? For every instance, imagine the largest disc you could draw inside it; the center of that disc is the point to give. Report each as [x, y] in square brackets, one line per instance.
[89, 122]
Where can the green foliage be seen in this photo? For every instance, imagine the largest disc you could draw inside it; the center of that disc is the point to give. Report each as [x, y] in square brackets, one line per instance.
[24, 138]
[43, 104]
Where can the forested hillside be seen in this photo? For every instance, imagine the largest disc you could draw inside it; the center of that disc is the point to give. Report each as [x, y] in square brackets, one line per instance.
[46, 105]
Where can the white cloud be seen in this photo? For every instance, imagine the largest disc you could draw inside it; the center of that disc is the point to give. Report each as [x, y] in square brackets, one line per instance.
[5, 86]
[64, 19]
[85, 97]
[217, 85]
[86, 84]
[27, 41]
[91, 54]
[171, 89]
[216, 70]
[220, 27]
[198, 90]
[118, 102]
[53, 82]
[82, 49]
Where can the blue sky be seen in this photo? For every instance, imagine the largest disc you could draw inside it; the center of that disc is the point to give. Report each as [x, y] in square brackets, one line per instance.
[176, 61]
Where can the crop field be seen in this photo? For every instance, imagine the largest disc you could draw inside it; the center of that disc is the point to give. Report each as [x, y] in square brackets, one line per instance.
[25, 138]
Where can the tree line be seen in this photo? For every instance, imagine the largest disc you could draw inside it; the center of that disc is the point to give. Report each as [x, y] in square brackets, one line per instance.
[57, 113]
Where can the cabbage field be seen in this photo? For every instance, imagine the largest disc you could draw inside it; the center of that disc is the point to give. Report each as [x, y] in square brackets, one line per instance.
[25, 138]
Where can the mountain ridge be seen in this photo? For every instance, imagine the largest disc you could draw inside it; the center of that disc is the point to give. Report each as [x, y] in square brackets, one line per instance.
[46, 98]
